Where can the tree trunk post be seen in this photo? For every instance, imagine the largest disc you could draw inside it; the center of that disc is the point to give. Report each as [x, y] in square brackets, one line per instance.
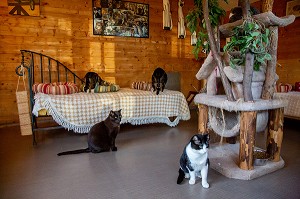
[202, 119]
[247, 80]
[275, 133]
[248, 71]
[269, 86]
[215, 53]
[247, 139]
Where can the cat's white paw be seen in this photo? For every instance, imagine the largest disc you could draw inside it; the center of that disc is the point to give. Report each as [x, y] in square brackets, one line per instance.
[205, 185]
[187, 175]
[192, 181]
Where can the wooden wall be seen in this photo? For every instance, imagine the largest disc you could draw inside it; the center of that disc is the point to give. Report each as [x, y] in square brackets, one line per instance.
[288, 58]
[288, 47]
[64, 32]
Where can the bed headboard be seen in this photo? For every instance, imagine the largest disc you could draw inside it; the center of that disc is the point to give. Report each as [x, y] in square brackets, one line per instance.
[41, 68]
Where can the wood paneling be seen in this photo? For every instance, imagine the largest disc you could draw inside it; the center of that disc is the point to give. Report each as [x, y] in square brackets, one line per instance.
[64, 32]
[288, 55]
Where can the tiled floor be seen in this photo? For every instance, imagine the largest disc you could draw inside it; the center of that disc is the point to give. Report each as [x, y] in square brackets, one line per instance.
[145, 166]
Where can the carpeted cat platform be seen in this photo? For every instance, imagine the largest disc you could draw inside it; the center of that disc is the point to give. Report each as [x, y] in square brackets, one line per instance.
[224, 159]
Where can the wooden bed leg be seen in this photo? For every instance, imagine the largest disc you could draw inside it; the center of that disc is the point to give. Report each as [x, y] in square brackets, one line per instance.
[247, 139]
[202, 119]
[275, 133]
[34, 143]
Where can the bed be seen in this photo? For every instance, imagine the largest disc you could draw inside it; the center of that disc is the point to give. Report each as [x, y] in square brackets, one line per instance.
[293, 108]
[80, 111]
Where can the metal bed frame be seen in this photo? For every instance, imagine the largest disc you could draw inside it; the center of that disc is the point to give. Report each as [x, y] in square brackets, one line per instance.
[43, 69]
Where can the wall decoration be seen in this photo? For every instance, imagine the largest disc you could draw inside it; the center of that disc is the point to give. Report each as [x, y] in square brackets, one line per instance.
[293, 8]
[120, 18]
[181, 27]
[167, 18]
[24, 7]
[194, 38]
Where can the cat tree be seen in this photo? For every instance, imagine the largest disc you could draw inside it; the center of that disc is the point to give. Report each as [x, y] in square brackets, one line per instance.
[248, 108]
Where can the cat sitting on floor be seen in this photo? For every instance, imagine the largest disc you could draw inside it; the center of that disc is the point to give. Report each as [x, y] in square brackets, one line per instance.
[102, 135]
[159, 80]
[194, 160]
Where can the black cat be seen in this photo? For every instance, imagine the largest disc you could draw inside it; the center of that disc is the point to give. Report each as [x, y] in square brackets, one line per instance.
[194, 160]
[102, 135]
[159, 80]
[237, 13]
[91, 78]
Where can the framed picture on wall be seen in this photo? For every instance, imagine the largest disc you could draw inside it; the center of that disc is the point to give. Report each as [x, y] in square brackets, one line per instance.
[120, 18]
[293, 8]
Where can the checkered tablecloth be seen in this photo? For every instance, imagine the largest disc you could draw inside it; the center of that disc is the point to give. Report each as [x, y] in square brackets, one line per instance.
[293, 107]
[80, 111]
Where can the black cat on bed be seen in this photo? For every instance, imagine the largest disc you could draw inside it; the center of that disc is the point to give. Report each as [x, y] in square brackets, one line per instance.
[159, 80]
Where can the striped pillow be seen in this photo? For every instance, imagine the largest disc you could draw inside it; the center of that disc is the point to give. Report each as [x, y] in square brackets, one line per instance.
[146, 86]
[284, 88]
[109, 88]
[55, 88]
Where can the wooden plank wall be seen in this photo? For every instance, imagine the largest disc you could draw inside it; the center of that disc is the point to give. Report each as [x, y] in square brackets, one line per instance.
[288, 47]
[288, 58]
[64, 32]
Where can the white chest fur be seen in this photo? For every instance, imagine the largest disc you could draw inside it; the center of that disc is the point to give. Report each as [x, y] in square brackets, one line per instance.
[198, 158]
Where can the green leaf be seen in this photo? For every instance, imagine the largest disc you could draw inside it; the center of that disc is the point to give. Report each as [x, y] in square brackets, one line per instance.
[268, 56]
[255, 34]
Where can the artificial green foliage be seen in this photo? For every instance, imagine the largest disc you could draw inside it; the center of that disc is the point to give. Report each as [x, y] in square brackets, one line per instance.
[195, 22]
[251, 37]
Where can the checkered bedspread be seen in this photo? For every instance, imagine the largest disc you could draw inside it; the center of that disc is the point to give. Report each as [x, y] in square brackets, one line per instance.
[293, 107]
[80, 111]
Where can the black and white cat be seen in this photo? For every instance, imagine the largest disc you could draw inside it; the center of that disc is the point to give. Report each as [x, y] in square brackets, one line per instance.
[102, 135]
[194, 160]
[159, 80]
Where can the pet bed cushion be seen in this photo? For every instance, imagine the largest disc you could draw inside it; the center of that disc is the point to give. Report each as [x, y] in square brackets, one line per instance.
[55, 88]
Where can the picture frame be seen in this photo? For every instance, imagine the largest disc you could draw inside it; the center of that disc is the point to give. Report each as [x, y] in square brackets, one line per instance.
[293, 8]
[120, 18]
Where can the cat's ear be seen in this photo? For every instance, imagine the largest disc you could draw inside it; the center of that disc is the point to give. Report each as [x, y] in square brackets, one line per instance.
[195, 139]
[119, 110]
[207, 136]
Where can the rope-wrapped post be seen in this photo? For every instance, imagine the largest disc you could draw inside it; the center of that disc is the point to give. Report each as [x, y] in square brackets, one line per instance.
[247, 139]
[202, 119]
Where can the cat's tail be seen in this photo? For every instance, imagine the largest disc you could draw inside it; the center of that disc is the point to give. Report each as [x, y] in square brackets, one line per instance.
[180, 176]
[87, 150]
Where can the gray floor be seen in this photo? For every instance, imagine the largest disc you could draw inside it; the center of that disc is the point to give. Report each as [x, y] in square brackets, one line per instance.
[145, 166]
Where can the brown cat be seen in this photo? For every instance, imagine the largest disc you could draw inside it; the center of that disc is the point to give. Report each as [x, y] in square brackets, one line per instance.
[91, 78]
[102, 135]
